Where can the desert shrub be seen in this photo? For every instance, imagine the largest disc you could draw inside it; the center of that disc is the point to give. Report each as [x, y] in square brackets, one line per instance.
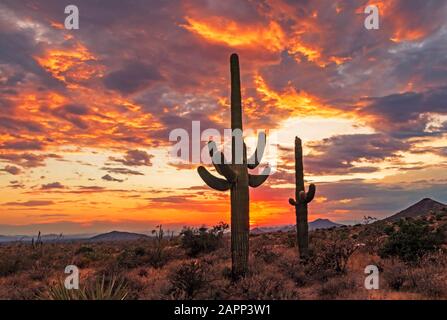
[8, 266]
[331, 253]
[429, 277]
[427, 282]
[289, 240]
[396, 276]
[335, 287]
[264, 286]
[291, 266]
[139, 251]
[103, 288]
[265, 254]
[188, 280]
[128, 259]
[143, 273]
[372, 236]
[410, 241]
[84, 250]
[13, 262]
[388, 229]
[202, 240]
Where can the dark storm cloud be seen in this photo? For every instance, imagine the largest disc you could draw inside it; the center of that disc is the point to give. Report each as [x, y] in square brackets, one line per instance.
[72, 113]
[28, 160]
[22, 145]
[337, 154]
[18, 48]
[17, 124]
[53, 185]
[407, 114]
[12, 170]
[134, 158]
[108, 177]
[133, 77]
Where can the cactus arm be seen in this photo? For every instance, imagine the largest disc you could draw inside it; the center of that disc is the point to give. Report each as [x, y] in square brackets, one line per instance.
[255, 159]
[226, 171]
[212, 181]
[309, 196]
[220, 163]
[302, 197]
[292, 202]
[310, 193]
[255, 181]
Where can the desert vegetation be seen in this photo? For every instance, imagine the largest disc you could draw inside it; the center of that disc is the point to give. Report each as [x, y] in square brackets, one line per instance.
[196, 264]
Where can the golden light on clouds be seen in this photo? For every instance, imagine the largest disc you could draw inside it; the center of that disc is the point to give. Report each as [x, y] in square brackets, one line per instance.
[296, 102]
[270, 37]
[70, 63]
[74, 103]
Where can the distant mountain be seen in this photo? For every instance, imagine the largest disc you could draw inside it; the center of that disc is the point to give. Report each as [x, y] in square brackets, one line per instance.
[313, 225]
[423, 207]
[323, 224]
[44, 238]
[118, 236]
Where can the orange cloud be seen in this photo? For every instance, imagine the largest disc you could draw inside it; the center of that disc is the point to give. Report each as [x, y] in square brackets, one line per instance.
[70, 64]
[293, 101]
[221, 30]
[269, 37]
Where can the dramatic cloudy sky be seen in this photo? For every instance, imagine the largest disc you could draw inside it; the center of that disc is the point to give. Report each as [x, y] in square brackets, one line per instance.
[85, 115]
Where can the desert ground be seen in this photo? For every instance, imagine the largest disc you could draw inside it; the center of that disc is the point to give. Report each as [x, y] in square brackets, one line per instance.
[411, 256]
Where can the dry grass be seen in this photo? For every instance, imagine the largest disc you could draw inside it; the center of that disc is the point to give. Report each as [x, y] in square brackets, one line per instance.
[334, 271]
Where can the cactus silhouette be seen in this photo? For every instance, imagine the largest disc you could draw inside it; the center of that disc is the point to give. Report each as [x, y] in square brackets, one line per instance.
[237, 179]
[301, 202]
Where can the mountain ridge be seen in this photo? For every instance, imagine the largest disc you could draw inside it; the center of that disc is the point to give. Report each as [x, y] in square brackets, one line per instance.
[420, 208]
[313, 225]
[118, 236]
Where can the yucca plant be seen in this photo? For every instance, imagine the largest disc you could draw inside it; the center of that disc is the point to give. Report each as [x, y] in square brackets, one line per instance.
[115, 289]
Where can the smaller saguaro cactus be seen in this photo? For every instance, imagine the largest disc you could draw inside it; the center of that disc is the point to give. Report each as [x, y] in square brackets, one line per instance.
[302, 200]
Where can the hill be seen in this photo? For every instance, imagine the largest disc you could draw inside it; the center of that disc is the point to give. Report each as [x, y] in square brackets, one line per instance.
[313, 225]
[118, 236]
[423, 207]
[323, 224]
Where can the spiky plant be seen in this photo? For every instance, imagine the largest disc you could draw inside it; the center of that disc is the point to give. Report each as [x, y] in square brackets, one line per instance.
[237, 179]
[114, 289]
[301, 201]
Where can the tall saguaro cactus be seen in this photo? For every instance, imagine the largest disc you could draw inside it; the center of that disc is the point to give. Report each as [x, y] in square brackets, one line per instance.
[301, 202]
[237, 179]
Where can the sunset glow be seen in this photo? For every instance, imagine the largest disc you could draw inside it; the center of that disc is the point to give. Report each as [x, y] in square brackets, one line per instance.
[86, 114]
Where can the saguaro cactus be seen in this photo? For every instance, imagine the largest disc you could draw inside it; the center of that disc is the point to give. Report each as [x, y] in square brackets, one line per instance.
[237, 179]
[301, 202]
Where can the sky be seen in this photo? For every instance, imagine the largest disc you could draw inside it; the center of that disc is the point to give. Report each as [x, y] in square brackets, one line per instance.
[85, 115]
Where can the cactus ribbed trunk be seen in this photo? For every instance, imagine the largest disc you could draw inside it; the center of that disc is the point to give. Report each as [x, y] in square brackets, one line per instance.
[240, 225]
[302, 227]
